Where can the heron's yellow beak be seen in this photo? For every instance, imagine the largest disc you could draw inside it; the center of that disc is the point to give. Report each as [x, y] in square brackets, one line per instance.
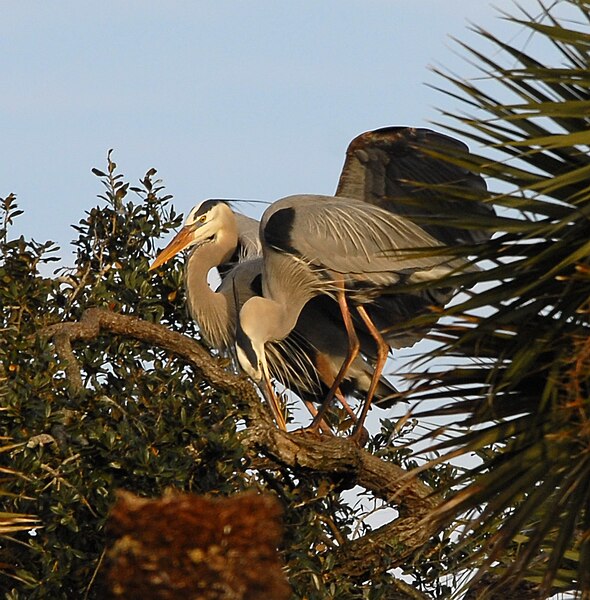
[180, 241]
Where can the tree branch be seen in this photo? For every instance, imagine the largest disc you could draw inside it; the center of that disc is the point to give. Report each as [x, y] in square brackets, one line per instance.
[95, 320]
[378, 550]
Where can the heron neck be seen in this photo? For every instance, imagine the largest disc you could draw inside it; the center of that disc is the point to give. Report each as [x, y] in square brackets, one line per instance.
[279, 318]
[213, 311]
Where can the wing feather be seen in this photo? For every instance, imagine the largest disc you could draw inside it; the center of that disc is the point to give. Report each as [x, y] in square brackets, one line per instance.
[348, 236]
[389, 166]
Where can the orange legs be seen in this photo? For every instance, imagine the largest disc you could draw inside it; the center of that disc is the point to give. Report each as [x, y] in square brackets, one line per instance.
[382, 352]
[353, 350]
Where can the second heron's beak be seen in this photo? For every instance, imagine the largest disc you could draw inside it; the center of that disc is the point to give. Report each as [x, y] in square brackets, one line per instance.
[181, 240]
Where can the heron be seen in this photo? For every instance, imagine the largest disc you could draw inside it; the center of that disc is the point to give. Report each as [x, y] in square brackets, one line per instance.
[309, 359]
[342, 247]
[217, 237]
[380, 167]
[357, 251]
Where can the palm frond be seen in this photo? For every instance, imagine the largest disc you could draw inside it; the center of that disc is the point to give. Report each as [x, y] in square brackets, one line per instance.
[521, 391]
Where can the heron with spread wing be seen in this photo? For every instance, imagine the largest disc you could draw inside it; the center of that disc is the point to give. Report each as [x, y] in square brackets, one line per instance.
[341, 247]
[360, 251]
[386, 167]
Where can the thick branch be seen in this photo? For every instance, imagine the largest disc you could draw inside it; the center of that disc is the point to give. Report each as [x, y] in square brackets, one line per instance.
[97, 320]
[339, 456]
[385, 547]
[377, 551]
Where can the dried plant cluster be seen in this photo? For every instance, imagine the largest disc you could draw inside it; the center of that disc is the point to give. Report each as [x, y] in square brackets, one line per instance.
[189, 546]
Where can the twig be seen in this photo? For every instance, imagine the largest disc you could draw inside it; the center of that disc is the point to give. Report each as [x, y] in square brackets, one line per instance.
[94, 573]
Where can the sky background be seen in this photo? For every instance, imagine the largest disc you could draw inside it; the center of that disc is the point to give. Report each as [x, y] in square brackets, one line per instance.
[227, 99]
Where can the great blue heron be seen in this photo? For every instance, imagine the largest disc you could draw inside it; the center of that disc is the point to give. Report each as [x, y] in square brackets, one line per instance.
[309, 359]
[343, 247]
[360, 252]
[217, 237]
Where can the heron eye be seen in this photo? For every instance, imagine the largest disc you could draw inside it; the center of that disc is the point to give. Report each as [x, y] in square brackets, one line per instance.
[202, 218]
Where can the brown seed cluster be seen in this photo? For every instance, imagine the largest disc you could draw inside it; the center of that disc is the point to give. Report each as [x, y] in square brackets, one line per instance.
[195, 548]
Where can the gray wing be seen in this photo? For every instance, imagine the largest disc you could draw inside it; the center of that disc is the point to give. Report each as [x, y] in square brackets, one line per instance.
[386, 167]
[348, 236]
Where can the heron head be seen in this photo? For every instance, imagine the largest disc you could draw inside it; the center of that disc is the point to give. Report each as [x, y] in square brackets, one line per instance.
[251, 358]
[204, 223]
[249, 344]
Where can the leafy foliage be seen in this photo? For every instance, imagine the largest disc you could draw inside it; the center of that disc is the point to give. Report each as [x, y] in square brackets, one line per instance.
[520, 345]
[140, 419]
[138, 411]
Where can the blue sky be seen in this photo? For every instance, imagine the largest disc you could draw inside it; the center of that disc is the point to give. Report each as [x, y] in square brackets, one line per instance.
[235, 99]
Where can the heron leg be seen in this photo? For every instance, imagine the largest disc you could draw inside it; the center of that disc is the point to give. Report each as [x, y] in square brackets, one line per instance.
[322, 425]
[382, 352]
[325, 370]
[274, 403]
[340, 397]
[353, 351]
